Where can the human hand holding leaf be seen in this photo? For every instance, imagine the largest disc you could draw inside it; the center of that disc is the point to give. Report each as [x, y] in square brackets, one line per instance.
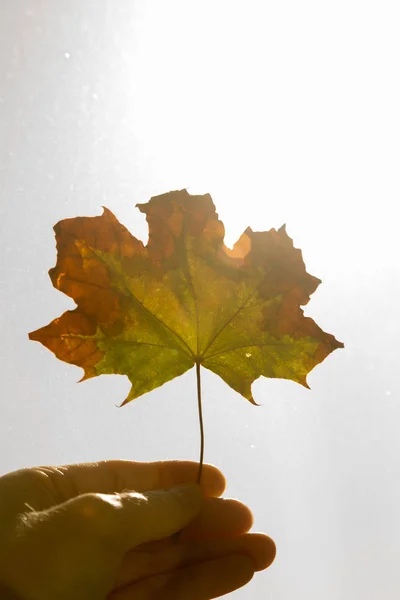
[153, 312]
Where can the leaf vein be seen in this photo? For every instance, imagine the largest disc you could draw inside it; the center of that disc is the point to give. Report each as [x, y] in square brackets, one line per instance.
[174, 333]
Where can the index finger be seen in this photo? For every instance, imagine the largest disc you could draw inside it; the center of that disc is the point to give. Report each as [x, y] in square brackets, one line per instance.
[110, 476]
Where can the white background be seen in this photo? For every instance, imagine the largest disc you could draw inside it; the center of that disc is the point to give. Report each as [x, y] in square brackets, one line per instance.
[286, 112]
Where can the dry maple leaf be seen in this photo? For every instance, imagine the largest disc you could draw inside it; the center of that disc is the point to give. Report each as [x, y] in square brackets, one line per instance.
[153, 312]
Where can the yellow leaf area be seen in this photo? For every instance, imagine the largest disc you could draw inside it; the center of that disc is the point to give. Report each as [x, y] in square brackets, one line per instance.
[152, 312]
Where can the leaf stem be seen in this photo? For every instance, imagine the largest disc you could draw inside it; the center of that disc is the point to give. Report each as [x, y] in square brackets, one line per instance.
[199, 404]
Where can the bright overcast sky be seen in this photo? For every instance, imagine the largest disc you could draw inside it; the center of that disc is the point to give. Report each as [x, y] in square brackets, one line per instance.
[286, 112]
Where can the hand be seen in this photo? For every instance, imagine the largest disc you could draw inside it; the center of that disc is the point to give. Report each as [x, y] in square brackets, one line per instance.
[102, 530]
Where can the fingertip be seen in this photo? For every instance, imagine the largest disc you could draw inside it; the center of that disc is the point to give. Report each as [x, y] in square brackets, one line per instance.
[263, 550]
[212, 482]
[174, 472]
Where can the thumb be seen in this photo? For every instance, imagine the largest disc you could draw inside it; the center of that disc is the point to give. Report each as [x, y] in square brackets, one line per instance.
[129, 518]
[124, 520]
[81, 541]
[154, 515]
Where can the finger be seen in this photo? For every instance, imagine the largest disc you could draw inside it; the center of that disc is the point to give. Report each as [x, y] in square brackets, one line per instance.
[89, 535]
[112, 476]
[219, 518]
[142, 562]
[201, 581]
[128, 519]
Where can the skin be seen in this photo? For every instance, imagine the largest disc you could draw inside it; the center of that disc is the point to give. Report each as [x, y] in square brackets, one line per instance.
[106, 530]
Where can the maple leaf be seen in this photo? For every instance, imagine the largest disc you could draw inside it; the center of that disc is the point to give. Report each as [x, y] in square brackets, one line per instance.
[152, 312]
